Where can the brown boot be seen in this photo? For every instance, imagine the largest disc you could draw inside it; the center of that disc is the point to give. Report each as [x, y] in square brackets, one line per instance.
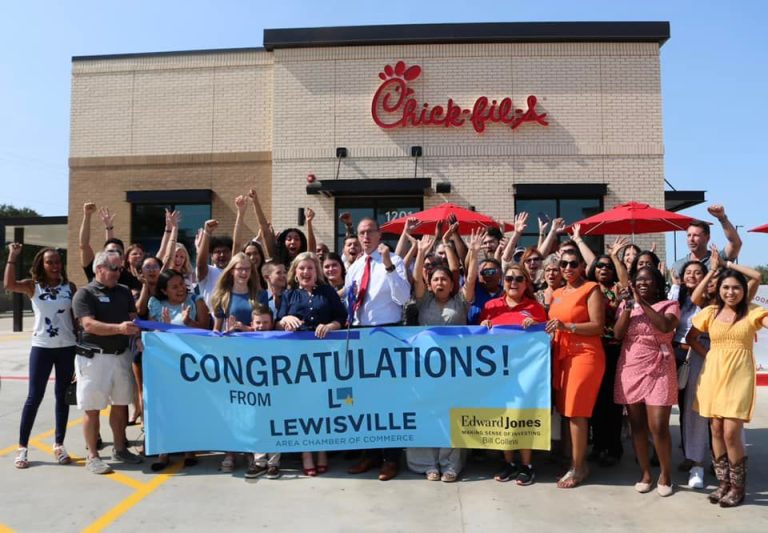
[738, 485]
[722, 472]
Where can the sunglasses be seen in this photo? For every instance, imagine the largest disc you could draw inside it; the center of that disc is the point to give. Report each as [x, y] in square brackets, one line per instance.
[517, 279]
[604, 265]
[572, 264]
[113, 268]
[488, 271]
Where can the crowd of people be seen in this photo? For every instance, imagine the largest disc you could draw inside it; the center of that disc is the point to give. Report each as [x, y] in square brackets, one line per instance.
[630, 338]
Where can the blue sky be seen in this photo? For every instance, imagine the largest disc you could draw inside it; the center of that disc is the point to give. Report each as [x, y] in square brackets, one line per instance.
[714, 78]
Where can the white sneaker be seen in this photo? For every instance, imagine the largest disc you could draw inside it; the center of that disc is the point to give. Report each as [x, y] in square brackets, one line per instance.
[696, 477]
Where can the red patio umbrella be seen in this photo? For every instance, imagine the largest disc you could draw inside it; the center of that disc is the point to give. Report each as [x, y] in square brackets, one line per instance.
[632, 218]
[760, 229]
[468, 220]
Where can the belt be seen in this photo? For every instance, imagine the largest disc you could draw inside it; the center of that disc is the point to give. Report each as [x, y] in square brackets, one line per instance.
[90, 351]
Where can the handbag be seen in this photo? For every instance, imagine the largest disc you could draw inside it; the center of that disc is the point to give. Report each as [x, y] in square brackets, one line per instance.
[684, 371]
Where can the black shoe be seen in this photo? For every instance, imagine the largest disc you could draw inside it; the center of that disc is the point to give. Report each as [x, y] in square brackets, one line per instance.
[509, 472]
[255, 471]
[526, 475]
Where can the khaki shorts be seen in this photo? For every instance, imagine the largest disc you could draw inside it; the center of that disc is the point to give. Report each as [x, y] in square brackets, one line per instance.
[104, 379]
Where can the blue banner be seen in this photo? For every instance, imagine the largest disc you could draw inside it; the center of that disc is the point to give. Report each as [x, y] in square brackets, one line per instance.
[462, 387]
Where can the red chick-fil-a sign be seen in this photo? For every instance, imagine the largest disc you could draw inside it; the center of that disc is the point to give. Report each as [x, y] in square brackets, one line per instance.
[394, 106]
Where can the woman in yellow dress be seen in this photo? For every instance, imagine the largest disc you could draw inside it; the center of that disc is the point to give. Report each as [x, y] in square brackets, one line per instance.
[726, 389]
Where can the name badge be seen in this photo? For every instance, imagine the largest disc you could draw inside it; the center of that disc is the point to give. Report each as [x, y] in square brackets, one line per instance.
[104, 299]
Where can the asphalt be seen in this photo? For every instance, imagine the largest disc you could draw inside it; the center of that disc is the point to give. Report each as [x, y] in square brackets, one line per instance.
[48, 496]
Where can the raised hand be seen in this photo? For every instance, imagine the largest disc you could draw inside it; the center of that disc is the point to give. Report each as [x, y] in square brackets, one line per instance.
[617, 246]
[452, 219]
[576, 227]
[411, 223]
[543, 225]
[241, 202]
[14, 250]
[210, 225]
[89, 208]
[253, 195]
[309, 215]
[385, 253]
[346, 218]
[425, 244]
[106, 217]
[521, 220]
[717, 211]
[558, 225]
[476, 240]
[450, 232]
[715, 261]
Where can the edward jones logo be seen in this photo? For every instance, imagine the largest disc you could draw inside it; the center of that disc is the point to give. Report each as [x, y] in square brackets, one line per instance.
[395, 106]
[500, 428]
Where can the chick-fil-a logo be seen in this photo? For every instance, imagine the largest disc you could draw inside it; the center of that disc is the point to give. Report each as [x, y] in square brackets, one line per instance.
[394, 106]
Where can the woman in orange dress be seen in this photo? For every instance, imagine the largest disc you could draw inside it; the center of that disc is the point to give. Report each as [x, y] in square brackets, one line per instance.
[577, 316]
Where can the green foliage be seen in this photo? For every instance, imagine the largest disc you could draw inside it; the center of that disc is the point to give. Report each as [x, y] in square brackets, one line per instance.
[7, 210]
[763, 269]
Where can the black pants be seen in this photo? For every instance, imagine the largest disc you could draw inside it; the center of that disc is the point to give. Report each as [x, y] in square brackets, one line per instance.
[41, 362]
[606, 416]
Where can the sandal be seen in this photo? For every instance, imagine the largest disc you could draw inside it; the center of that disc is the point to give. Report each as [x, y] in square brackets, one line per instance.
[22, 459]
[61, 455]
[228, 464]
[433, 475]
[570, 480]
[449, 476]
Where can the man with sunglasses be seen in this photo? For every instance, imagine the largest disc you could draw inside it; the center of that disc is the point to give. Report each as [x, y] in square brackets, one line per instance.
[105, 310]
[489, 287]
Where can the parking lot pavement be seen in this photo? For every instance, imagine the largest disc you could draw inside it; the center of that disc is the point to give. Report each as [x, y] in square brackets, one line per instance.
[49, 497]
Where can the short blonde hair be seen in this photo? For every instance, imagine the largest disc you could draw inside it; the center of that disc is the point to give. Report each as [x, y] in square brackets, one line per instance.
[306, 256]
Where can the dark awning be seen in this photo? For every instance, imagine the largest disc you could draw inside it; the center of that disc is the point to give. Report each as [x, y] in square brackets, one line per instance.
[369, 187]
[679, 200]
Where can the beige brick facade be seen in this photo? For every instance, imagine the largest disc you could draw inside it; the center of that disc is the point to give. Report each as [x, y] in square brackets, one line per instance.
[224, 120]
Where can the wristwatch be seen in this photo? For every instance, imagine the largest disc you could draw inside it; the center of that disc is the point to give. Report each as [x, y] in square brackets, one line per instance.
[390, 268]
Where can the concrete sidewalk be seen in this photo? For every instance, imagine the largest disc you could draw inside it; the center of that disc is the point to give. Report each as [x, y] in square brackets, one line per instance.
[51, 497]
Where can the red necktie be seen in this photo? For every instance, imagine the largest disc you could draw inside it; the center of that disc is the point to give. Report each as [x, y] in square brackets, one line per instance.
[364, 281]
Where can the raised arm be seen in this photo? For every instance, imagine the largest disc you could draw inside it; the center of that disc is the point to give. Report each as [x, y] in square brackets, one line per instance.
[26, 286]
[173, 237]
[621, 270]
[543, 225]
[699, 294]
[241, 204]
[166, 236]
[475, 243]
[549, 244]
[753, 277]
[520, 224]
[458, 243]
[450, 254]
[86, 252]
[108, 219]
[586, 252]
[411, 223]
[423, 248]
[349, 228]
[733, 247]
[270, 246]
[202, 249]
[309, 216]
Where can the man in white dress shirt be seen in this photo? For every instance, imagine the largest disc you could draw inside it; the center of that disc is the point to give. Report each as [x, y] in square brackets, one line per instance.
[382, 289]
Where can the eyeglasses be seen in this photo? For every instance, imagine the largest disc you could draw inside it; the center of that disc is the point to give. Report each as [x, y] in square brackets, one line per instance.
[533, 260]
[150, 267]
[113, 268]
[604, 265]
[551, 270]
[517, 279]
[572, 264]
[488, 272]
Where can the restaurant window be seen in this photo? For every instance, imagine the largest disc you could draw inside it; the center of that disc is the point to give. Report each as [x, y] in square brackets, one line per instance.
[570, 202]
[383, 210]
[148, 224]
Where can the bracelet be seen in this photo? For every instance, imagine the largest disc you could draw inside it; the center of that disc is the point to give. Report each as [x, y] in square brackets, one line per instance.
[109, 228]
[168, 231]
[11, 263]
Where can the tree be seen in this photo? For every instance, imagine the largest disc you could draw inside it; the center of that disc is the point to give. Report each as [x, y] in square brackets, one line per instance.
[7, 211]
[763, 269]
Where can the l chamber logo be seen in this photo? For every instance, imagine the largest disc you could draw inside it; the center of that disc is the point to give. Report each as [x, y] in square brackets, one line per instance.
[394, 105]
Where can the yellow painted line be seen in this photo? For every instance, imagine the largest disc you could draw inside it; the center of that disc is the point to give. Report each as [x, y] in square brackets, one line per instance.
[16, 336]
[129, 502]
[6, 451]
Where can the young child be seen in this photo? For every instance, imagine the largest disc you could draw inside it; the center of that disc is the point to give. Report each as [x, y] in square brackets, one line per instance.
[267, 464]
